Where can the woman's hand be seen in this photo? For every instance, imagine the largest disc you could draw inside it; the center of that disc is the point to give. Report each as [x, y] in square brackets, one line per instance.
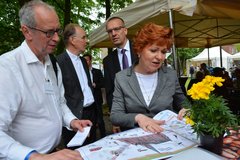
[148, 124]
[182, 113]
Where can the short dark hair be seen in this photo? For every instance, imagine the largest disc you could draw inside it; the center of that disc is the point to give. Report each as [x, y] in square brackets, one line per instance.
[112, 18]
[69, 30]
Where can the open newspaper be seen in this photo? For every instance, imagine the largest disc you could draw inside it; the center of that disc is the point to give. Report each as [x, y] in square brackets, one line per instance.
[136, 144]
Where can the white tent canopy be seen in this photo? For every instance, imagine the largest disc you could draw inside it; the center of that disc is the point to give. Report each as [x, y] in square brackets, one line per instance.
[214, 22]
[214, 58]
[236, 56]
[214, 52]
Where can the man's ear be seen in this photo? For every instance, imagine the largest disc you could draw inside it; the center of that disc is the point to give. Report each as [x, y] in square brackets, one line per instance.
[125, 31]
[26, 32]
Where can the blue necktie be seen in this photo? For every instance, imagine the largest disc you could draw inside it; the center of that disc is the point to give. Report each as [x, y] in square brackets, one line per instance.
[124, 59]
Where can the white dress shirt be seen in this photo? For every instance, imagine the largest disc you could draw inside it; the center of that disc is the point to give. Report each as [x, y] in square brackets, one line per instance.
[32, 105]
[127, 52]
[82, 77]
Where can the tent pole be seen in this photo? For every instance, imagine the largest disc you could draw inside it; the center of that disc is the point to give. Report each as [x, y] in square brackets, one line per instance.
[221, 65]
[173, 46]
[208, 46]
[208, 58]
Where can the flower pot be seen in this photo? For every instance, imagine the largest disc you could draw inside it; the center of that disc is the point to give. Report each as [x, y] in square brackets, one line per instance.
[212, 144]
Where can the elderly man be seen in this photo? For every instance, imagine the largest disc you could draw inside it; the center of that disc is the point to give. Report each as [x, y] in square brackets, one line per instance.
[32, 108]
[76, 80]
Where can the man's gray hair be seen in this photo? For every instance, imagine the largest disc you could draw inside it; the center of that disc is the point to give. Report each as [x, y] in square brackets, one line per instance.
[27, 12]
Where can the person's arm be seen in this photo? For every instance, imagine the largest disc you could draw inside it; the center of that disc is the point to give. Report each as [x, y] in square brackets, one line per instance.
[178, 97]
[69, 120]
[99, 79]
[64, 154]
[66, 112]
[108, 83]
[10, 101]
[119, 115]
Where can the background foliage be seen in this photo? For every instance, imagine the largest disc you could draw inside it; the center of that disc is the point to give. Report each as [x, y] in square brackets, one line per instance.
[88, 13]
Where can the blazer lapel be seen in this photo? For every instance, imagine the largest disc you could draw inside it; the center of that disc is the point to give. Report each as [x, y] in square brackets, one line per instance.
[134, 85]
[160, 84]
[72, 70]
[86, 69]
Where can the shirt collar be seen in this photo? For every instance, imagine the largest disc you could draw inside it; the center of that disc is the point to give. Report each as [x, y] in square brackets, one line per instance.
[28, 53]
[126, 47]
[30, 56]
[72, 56]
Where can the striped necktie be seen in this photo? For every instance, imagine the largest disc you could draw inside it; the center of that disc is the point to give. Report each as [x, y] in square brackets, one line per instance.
[124, 59]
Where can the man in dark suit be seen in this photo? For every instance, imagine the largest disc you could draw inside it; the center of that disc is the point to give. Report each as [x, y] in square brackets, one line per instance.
[76, 80]
[97, 83]
[113, 62]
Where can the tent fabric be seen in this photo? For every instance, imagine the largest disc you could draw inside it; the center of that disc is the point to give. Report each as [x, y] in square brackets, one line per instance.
[197, 31]
[214, 52]
[236, 56]
[214, 58]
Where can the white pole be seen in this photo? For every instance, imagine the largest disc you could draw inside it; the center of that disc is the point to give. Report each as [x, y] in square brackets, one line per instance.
[173, 46]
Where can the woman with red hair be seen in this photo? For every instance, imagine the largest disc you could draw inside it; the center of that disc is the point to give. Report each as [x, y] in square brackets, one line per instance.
[148, 87]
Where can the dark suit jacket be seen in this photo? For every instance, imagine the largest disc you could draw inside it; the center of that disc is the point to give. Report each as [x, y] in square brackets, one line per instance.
[111, 66]
[98, 80]
[73, 90]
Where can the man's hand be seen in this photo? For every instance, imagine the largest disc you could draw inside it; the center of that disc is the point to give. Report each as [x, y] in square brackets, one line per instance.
[80, 124]
[64, 154]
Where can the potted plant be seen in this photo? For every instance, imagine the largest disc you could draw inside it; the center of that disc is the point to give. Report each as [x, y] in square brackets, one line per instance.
[208, 114]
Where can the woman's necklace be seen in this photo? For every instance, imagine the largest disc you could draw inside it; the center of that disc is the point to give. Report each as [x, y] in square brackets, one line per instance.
[148, 85]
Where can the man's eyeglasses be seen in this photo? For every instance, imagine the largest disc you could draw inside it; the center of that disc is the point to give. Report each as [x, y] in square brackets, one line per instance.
[49, 33]
[116, 29]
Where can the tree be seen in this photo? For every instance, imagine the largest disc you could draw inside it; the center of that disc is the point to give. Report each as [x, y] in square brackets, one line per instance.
[184, 54]
[9, 30]
[69, 11]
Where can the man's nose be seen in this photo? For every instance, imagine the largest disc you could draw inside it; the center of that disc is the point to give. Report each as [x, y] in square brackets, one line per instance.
[56, 37]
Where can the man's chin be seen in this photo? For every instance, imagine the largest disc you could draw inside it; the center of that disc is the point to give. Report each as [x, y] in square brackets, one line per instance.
[51, 50]
[117, 43]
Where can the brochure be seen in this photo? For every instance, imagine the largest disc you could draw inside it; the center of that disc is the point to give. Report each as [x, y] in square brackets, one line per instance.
[136, 144]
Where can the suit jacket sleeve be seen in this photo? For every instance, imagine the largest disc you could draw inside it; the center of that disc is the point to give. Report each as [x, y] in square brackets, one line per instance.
[108, 82]
[121, 114]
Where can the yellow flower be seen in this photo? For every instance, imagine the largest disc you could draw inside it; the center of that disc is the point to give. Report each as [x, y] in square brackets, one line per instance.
[202, 89]
[199, 91]
[189, 121]
[207, 112]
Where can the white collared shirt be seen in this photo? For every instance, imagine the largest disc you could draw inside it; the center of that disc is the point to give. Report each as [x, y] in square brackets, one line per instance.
[127, 52]
[30, 117]
[82, 77]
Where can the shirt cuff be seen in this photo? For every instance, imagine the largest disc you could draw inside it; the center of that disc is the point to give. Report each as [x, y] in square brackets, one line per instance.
[29, 154]
[18, 152]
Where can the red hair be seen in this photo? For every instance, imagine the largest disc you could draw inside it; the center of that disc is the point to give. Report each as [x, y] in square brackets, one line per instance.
[150, 34]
